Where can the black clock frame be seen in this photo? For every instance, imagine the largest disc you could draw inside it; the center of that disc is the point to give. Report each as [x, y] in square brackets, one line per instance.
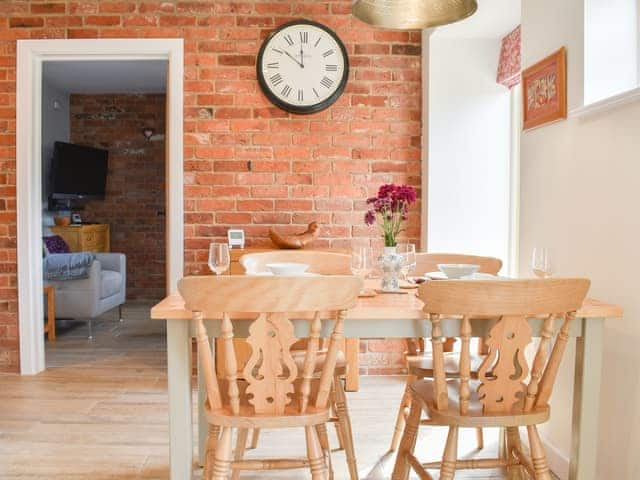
[303, 109]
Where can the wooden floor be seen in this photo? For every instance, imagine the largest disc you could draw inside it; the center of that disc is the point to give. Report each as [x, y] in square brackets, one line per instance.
[100, 411]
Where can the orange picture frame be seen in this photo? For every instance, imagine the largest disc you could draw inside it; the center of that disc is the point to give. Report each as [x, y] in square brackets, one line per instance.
[544, 91]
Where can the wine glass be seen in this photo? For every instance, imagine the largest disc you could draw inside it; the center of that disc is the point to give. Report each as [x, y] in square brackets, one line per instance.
[361, 261]
[541, 262]
[219, 258]
[408, 252]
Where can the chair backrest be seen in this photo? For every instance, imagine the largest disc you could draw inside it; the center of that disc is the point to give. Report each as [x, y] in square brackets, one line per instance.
[269, 377]
[323, 263]
[428, 262]
[502, 375]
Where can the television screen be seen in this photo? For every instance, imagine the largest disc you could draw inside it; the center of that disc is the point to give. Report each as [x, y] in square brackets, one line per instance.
[78, 171]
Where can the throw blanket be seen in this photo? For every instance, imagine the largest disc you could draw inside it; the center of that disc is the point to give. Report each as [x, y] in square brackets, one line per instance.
[67, 266]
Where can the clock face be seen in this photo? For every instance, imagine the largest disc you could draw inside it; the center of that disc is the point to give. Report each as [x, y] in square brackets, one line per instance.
[303, 67]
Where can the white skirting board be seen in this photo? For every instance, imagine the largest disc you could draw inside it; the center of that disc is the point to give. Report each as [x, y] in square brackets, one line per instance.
[558, 463]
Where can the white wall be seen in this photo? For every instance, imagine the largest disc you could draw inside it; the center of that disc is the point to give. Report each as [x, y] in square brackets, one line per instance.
[580, 193]
[469, 148]
[55, 127]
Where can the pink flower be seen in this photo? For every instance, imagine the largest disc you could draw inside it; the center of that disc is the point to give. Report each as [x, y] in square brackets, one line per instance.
[370, 217]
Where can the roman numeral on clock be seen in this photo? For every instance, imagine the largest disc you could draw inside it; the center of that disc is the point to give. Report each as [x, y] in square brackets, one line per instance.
[316, 92]
[331, 68]
[317, 42]
[304, 37]
[289, 39]
[326, 82]
[328, 53]
[277, 51]
[273, 65]
[286, 90]
[300, 95]
[276, 79]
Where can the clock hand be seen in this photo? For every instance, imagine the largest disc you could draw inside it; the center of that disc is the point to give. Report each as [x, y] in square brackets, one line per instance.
[294, 59]
[301, 56]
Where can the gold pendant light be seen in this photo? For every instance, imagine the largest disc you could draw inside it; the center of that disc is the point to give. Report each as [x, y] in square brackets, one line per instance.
[413, 14]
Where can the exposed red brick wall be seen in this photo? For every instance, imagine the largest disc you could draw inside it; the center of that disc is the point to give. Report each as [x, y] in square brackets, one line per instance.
[304, 168]
[134, 203]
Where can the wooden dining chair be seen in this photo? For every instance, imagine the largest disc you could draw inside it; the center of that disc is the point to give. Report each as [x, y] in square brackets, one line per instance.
[419, 362]
[321, 263]
[509, 391]
[272, 391]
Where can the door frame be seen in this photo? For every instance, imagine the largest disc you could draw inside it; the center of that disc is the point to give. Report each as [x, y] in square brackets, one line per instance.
[30, 56]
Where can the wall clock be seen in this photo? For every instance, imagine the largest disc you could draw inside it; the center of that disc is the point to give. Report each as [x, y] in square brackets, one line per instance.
[303, 67]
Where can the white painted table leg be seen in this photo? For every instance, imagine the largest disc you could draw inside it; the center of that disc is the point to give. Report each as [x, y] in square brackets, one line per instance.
[203, 427]
[586, 400]
[180, 415]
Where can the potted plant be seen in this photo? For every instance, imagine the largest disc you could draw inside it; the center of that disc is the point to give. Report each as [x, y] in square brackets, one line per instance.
[390, 209]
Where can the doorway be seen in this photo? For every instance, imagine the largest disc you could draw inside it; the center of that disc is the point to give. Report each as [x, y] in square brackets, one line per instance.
[32, 57]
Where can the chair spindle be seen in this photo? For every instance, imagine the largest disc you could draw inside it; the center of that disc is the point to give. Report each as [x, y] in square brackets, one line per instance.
[313, 345]
[550, 373]
[465, 364]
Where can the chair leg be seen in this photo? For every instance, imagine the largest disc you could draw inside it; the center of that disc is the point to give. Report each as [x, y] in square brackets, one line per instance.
[538, 457]
[314, 454]
[345, 427]
[479, 439]
[408, 443]
[120, 313]
[450, 457]
[404, 404]
[210, 452]
[51, 316]
[515, 472]
[334, 412]
[321, 428]
[241, 445]
[90, 329]
[221, 469]
[254, 438]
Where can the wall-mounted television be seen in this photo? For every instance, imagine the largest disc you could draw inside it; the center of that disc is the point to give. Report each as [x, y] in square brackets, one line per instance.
[78, 172]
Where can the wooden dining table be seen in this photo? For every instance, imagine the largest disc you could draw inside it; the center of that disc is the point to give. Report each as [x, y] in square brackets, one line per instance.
[383, 316]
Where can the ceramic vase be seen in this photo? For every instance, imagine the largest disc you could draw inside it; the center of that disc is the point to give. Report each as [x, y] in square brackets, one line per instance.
[390, 264]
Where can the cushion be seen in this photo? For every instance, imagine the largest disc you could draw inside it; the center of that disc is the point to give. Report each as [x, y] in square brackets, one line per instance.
[67, 266]
[55, 244]
[110, 283]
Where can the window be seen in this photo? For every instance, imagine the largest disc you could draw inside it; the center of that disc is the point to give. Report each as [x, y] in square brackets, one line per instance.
[611, 47]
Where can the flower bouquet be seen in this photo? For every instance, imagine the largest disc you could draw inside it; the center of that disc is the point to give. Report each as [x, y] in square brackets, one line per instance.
[390, 209]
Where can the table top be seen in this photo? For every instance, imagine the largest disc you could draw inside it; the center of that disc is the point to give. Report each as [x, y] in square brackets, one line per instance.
[386, 306]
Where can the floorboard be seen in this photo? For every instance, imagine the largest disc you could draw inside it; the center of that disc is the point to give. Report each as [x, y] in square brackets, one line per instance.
[100, 411]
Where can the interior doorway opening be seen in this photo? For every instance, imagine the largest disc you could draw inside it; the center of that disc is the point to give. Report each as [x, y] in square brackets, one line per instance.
[103, 192]
[35, 59]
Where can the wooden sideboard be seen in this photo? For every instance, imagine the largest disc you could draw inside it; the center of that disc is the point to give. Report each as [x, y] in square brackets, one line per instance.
[85, 237]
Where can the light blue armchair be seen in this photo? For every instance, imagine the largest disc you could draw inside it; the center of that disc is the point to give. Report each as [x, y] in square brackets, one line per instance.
[88, 298]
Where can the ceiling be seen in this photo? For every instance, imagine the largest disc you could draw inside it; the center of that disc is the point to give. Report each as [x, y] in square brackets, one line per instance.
[148, 76]
[494, 19]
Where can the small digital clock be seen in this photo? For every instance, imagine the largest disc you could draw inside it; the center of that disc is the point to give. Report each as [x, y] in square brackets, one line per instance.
[235, 238]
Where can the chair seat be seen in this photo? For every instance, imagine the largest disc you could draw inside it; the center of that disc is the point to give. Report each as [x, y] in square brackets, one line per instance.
[248, 419]
[423, 391]
[422, 365]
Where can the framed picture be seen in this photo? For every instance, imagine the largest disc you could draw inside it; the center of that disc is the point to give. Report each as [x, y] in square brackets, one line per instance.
[544, 90]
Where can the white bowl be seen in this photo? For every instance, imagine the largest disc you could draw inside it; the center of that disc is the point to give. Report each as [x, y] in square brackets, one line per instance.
[285, 268]
[458, 270]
